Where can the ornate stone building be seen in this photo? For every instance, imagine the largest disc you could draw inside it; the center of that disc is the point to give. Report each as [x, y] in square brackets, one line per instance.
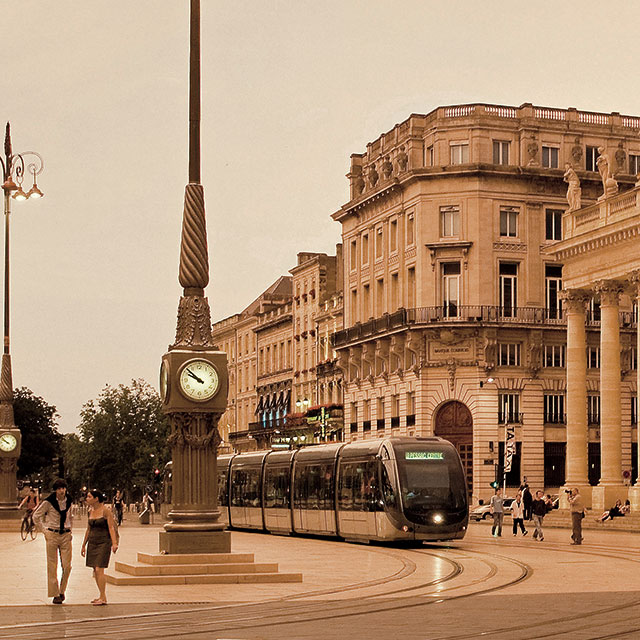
[276, 398]
[453, 321]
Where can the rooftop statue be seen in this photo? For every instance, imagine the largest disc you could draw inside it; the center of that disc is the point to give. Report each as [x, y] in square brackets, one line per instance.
[609, 184]
[574, 192]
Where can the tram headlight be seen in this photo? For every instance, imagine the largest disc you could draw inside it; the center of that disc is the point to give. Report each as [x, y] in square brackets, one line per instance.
[438, 518]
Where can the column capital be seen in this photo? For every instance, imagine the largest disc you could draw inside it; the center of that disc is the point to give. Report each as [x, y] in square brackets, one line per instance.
[634, 279]
[575, 300]
[609, 291]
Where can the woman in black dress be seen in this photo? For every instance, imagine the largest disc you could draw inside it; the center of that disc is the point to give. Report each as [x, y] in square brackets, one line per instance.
[100, 540]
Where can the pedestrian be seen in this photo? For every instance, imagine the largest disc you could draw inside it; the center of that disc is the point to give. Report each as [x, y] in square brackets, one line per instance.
[539, 508]
[118, 505]
[615, 512]
[517, 513]
[577, 513]
[54, 518]
[527, 500]
[496, 507]
[100, 539]
[29, 504]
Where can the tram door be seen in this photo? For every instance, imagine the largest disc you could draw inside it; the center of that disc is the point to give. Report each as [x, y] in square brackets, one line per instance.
[357, 498]
[454, 423]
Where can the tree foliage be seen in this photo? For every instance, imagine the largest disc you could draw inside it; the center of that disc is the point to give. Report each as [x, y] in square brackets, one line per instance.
[123, 438]
[41, 441]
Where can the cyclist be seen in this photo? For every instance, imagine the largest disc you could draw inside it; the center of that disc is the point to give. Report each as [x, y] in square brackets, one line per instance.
[29, 503]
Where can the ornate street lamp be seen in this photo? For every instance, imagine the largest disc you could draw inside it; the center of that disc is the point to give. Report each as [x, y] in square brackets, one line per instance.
[14, 166]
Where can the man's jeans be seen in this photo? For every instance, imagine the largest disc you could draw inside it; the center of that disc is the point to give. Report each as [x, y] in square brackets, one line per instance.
[497, 524]
[537, 521]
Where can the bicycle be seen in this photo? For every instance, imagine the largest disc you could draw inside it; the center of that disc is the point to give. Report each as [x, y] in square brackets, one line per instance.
[28, 527]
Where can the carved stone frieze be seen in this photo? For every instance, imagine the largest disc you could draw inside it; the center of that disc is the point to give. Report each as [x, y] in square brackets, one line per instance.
[534, 353]
[510, 246]
[194, 430]
[8, 465]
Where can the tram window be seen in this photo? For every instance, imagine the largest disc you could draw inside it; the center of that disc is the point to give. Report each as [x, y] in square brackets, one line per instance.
[313, 487]
[387, 487]
[276, 488]
[359, 489]
[222, 488]
[245, 488]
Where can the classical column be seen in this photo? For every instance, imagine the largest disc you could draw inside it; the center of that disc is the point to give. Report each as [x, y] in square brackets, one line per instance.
[610, 418]
[577, 461]
[634, 491]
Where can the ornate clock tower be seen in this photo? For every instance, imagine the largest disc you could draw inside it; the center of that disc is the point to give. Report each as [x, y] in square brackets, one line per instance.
[193, 373]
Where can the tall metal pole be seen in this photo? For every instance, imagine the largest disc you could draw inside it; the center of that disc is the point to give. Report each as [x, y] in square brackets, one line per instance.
[194, 94]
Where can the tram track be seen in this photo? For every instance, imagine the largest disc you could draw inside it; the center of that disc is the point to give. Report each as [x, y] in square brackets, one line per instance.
[441, 589]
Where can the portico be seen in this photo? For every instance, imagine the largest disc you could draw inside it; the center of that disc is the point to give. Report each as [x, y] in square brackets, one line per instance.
[600, 254]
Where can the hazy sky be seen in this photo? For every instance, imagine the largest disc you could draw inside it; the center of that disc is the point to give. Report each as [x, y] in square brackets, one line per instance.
[289, 91]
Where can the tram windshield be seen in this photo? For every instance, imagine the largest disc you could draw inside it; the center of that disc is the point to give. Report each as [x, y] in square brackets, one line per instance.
[430, 477]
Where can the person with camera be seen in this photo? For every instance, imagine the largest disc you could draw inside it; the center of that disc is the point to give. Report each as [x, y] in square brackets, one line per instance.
[577, 514]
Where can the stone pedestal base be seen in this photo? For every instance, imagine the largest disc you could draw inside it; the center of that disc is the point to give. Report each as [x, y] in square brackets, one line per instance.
[195, 542]
[634, 498]
[605, 497]
[10, 518]
[585, 491]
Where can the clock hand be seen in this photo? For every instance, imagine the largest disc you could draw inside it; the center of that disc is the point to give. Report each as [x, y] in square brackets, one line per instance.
[194, 376]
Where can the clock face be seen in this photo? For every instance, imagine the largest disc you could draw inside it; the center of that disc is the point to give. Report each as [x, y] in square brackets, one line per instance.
[8, 442]
[164, 381]
[199, 380]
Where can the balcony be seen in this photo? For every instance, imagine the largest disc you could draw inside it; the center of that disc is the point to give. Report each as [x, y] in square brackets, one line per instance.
[555, 418]
[593, 419]
[491, 315]
[509, 418]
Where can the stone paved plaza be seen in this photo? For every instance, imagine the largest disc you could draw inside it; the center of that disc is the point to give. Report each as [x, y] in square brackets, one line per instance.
[511, 587]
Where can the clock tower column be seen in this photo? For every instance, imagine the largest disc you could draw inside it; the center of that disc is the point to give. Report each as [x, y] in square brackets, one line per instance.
[193, 374]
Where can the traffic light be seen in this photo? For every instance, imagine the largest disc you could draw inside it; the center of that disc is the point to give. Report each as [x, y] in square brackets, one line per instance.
[494, 485]
[156, 475]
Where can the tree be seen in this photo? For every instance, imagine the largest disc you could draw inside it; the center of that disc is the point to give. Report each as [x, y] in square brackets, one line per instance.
[124, 433]
[41, 441]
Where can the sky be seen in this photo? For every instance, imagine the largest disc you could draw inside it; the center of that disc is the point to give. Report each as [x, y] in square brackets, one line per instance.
[290, 89]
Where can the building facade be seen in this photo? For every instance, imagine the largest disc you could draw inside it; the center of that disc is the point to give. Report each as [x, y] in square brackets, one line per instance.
[453, 320]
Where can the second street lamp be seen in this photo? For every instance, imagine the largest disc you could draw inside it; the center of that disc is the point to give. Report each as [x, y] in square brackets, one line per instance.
[14, 166]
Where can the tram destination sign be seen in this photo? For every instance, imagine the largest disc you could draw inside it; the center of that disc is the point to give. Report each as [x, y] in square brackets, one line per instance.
[424, 455]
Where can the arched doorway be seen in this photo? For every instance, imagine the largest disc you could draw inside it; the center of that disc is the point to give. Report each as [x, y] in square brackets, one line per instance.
[454, 422]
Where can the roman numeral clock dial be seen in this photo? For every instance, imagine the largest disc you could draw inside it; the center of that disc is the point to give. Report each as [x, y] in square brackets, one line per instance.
[198, 380]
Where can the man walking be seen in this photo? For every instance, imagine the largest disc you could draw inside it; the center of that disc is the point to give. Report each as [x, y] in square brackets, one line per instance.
[538, 511]
[53, 517]
[527, 500]
[497, 511]
[577, 513]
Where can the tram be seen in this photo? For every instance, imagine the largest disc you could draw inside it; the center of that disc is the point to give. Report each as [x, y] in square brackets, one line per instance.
[390, 489]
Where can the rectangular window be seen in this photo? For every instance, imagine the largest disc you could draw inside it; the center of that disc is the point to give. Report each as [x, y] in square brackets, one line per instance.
[393, 236]
[634, 165]
[459, 153]
[550, 157]
[365, 248]
[553, 224]
[508, 289]
[508, 408]
[380, 297]
[593, 409]
[591, 157]
[500, 152]
[354, 306]
[395, 300]
[633, 358]
[509, 222]
[554, 408]
[449, 222]
[411, 287]
[554, 355]
[354, 414]
[634, 410]
[553, 286]
[429, 160]
[354, 255]
[411, 405]
[509, 354]
[379, 238]
[366, 302]
[593, 357]
[451, 289]
[410, 229]
[380, 414]
[593, 311]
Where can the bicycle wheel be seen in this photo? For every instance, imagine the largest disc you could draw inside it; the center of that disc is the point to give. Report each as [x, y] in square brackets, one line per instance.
[33, 532]
[24, 529]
